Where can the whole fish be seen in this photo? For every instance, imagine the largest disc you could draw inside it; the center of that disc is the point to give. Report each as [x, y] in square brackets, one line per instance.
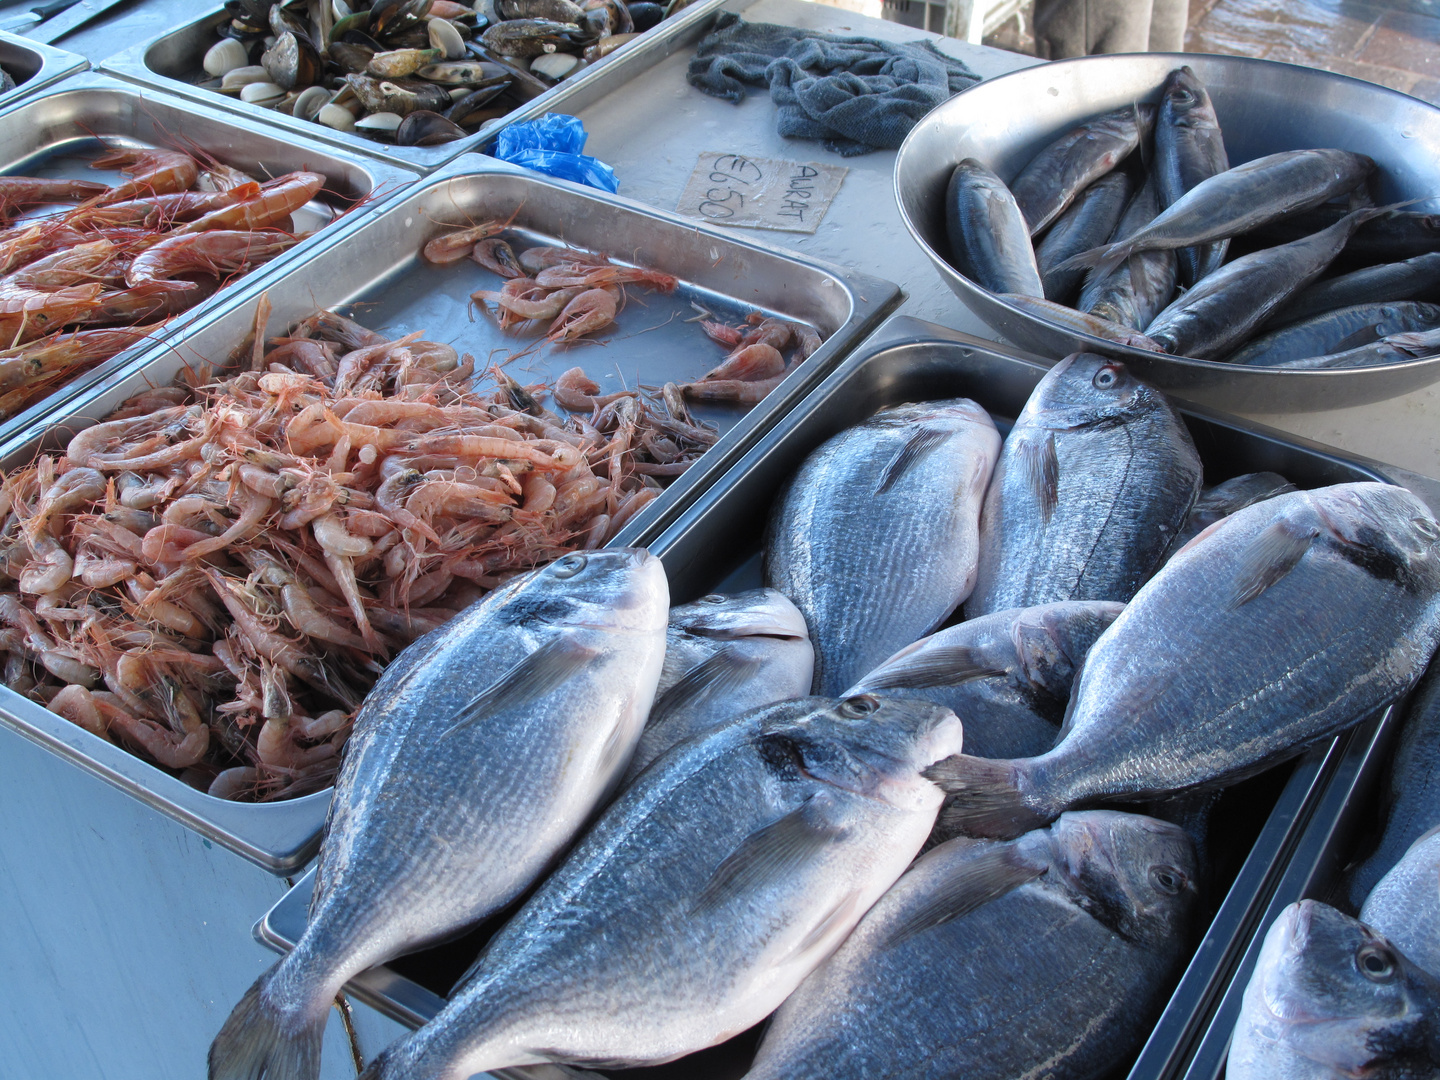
[1225, 498]
[1137, 290]
[1047, 955]
[1411, 805]
[1070, 164]
[989, 242]
[1090, 220]
[1402, 234]
[875, 537]
[1008, 674]
[1412, 279]
[1405, 903]
[1240, 199]
[1223, 310]
[1337, 331]
[1080, 323]
[1094, 481]
[479, 753]
[724, 655]
[1391, 349]
[1331, 998]
[702, 897]
[1189, 149]
[1310, 610]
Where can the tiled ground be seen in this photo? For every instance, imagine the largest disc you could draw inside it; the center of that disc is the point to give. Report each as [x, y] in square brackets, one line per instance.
[1394, 44]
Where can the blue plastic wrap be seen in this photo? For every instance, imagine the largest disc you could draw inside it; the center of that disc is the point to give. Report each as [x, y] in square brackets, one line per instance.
[552, 145]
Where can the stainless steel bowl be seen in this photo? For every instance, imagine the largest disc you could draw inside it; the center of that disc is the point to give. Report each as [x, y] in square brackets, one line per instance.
[1264, 107]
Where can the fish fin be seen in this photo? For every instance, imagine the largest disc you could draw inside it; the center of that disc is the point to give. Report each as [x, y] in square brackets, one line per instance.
[768, 853]
[1274, 552]
[1364, 336]
[719, 673]
[947, 666]
[989, 876]
[985, 801]
[534, 676]
[844, 910]
[1041, 470]
[614, 747]
[1103, 260]
[920, 443]
[258, 1039]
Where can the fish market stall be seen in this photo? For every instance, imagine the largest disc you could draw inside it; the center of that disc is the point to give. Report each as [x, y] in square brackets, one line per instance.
[131, 923]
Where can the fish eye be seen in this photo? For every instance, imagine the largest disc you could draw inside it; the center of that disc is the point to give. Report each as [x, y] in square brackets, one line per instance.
[1183, 95]
[1376, 963]
[1167, 879]
[859, 705]
[1106, 377]
[713, 598]
[569, 566]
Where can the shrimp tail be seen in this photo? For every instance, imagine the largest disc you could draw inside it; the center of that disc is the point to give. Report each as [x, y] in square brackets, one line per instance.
[264, 1036]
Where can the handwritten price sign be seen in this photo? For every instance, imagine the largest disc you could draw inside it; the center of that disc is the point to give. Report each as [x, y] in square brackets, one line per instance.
[760, 193]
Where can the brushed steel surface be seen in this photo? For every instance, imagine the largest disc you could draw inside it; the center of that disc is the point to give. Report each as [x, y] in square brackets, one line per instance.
[715, 546]
[171, 62]
[59, 131]
[369, 267]
[34, 66]
[1263, 107]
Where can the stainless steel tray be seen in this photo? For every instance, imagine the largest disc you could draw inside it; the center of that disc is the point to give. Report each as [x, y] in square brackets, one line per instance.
[715, 545]
[34, 66]
[57, 133]
[172, 62]
[370, 267]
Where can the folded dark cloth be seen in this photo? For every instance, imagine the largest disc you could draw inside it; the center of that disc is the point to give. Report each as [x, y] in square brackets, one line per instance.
[854, 94]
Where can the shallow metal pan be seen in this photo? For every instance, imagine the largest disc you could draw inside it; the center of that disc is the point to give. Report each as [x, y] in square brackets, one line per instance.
[715, 545]
[34, 66]
[172, 62]
[370, 267]
[56, 133]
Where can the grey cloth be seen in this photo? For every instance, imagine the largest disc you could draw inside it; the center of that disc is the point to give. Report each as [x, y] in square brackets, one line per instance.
[854, 94]
[1084, 27]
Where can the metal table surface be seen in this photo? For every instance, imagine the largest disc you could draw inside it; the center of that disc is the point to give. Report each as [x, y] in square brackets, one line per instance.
[128, 937]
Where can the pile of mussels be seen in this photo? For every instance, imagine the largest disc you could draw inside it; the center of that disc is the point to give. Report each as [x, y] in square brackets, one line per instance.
[413, 72]
[1099, 230]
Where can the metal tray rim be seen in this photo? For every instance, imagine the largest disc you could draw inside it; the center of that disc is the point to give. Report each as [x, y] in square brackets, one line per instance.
[55, 64]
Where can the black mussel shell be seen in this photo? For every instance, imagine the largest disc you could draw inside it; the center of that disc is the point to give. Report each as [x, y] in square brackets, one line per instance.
[292, 61]
[424, 128]
[645, 15]
[282, 20]
[359, 37]
[475, 101]
[353, 58]
[258, 10]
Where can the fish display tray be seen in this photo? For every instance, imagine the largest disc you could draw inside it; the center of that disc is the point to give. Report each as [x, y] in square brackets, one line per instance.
[715, 546]
[34, 66]
[172, 62]
[59, 132]
[370, 268]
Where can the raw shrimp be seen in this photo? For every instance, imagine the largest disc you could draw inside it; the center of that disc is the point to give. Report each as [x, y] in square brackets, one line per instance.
[18, 192]
[573, 390]
[219, 252]
[592, 310]
[454, 246]
[732, 389]
[160, 211]
[535, 259]
[151, 172]
[565, 275]
[748, 364]
[271, 205]
[498, 257]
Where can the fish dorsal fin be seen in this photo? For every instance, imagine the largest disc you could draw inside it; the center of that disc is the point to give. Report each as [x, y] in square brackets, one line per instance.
[769, 853]
[1273, 553]
[948, 665]
[718, 674]
[533, 677]
[921, 442]
[986, 877]
[1040, 469]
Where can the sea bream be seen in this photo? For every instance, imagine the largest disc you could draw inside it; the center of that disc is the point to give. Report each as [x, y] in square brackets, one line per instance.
[1094, 481]
[1049, 955]
[1228, 496]
[479, 753]
[701, 897]
[1008, 674]
[725, 654]
[1278, 626]
[1331, 998]
[1405, 903]
[875, 536]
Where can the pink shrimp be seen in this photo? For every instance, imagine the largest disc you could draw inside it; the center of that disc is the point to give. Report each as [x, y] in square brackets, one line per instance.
[76, 265]
[733, 389]
[592, 277]
[498, 257]
[17, 192]
[271, 205]
[218, 252]
[592, 310]
[574, 390]
[151, 172]
[453, 246]
[749, 364]
[159, 211]
[535, 259]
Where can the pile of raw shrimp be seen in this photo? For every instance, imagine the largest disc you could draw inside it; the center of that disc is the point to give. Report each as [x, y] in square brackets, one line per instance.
[215, 575]
[82, 285]
[579, 293]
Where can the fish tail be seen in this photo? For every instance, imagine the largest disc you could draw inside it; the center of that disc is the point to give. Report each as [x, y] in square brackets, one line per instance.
[263, 1038]
[985, 799]
[1105, 260]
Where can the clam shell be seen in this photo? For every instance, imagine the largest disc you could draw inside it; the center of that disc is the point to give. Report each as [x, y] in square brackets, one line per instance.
[340, 8]
[225, 56]
[380, 123]
[554, 65]
[238, 78]
[262, 93]
[445, 37]
[337, 117]
[311, 101]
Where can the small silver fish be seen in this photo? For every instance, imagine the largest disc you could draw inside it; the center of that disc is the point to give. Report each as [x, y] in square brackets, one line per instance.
[989, 242]
[1054, 176]
[1189, 149]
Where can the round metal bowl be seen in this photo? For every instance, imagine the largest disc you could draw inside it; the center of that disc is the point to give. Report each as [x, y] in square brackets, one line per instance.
[1263, 106]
